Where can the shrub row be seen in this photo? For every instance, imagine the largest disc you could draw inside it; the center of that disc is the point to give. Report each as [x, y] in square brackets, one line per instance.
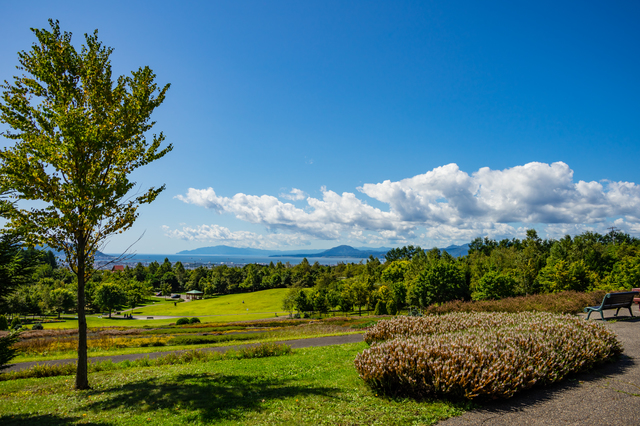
[480, 355]
[185, 320]
[254, 351]
[199, 340]
[566, 302]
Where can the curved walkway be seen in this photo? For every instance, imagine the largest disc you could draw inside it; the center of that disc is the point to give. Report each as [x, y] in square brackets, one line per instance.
[606, 395]
[295, 344]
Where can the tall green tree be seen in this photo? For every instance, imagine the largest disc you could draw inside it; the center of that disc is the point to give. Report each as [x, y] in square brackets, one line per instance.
[110, 296]
[60, 300]
[15, 267]
[78, 135]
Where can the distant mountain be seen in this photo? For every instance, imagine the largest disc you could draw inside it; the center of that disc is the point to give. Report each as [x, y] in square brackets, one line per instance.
[340, 251]
[296, 252]
[457, 251]
[382, 249]
[227, 250]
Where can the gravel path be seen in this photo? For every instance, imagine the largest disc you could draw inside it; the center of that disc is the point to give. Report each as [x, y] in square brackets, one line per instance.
[607, 395]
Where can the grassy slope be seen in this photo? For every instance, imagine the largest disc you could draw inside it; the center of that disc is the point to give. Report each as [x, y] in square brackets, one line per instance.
[312, 386]
[259, 301]
[227, 308]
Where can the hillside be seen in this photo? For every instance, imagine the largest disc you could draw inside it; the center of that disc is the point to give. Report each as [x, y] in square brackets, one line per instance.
[231, 304]
[340, 251]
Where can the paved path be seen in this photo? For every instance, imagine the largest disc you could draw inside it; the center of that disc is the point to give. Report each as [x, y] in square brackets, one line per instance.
[295, 344]
[607, 395]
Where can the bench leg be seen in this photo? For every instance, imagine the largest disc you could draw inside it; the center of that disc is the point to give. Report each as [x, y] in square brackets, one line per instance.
[630, 313]
[602, 315]
[617, 310]
[588, 315]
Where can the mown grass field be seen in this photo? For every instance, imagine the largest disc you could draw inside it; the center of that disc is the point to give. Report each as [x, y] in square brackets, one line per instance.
[311, 386]
[220, 309]
[232, 304]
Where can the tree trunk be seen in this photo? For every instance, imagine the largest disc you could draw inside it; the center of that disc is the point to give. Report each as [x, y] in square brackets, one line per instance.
[82, 374]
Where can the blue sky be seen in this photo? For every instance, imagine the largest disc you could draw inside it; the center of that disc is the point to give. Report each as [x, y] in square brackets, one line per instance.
[373, 123]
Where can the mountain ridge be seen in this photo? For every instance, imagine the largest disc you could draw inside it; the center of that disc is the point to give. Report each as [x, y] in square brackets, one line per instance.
[338, 251]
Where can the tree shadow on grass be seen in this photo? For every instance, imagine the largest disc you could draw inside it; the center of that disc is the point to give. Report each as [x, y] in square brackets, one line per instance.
[209, 397]
[42, 420]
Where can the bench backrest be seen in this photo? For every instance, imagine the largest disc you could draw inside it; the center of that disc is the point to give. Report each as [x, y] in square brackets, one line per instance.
[618, 300]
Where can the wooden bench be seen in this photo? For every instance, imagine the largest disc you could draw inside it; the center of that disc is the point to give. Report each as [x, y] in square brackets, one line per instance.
[614, 301]
[637, 298]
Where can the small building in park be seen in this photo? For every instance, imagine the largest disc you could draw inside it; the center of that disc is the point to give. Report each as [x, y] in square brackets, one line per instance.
[117, 268]
[194, 295]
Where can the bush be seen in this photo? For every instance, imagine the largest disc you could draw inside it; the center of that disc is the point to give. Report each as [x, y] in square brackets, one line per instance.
[566, 302]
[182, 321]
[392, 307]
[194, 320]
[199, 340]
[381, 308]
[37, 326]
[264, 350]
[16, 321]
[494, 285]
[3, 323]
[480, 355]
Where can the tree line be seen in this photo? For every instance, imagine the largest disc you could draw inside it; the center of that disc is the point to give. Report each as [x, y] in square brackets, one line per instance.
[408, 277]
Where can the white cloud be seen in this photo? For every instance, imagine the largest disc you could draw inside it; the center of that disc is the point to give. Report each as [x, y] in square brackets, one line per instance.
[221, 235]
[294, 195]
[445, 204]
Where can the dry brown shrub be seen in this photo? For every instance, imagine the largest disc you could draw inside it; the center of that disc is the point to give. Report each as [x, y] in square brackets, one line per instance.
[566, 302]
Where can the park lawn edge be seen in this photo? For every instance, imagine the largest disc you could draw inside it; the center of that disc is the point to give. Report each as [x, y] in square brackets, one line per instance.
[152, 349]
[310, 386]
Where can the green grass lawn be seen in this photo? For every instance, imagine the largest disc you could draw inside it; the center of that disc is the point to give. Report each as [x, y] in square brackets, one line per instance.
[311, 386]
[220, 309]
[231, 304]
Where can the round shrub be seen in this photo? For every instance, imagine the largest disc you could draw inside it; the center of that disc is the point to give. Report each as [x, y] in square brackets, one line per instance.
[194, 320]
[479, 355]
[381, 308]
[392, 308]
[182, 321]
[37, 326]
[15, 321]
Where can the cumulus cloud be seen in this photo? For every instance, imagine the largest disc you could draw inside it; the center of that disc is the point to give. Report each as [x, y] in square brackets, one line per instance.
[444, 204]
[223, 235]
[294, 195]
[327, 219]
